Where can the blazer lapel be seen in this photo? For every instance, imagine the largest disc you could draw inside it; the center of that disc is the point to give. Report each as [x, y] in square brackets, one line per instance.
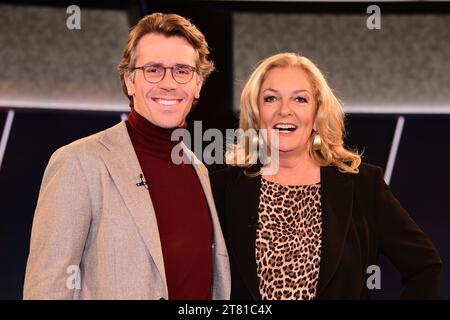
[337, 203]
[242, 223]
[221, 273]
[123, 165]
[202, 175]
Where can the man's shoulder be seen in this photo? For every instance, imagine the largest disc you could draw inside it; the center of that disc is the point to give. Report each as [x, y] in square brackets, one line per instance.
[89, 145]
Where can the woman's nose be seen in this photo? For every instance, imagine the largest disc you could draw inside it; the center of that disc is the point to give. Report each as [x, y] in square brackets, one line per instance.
[285, 108]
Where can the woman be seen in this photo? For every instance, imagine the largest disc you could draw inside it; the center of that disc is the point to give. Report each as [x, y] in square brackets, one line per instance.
[311, 229]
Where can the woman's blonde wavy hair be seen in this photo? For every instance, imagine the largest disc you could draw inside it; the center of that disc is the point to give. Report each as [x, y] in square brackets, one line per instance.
[329, 114]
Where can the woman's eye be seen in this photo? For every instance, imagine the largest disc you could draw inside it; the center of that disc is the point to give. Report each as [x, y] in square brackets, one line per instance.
[301, 100]
[270, 99]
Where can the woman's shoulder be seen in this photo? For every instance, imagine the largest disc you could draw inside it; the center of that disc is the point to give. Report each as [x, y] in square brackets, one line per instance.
[367, 173]
[220, 181]
[222, 173]
[231, 173]
[367, 185]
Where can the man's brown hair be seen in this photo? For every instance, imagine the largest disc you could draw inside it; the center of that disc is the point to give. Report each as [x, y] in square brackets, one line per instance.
[168, 25]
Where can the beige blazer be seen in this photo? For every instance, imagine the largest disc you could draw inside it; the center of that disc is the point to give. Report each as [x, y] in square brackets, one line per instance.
[92, 218]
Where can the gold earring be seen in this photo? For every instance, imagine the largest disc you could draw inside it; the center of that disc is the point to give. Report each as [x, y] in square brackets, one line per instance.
[316, 141]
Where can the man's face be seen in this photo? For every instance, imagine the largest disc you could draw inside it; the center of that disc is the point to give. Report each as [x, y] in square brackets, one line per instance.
[166, 103]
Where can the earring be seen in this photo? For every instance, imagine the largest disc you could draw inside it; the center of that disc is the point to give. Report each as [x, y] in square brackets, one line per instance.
[316, 141]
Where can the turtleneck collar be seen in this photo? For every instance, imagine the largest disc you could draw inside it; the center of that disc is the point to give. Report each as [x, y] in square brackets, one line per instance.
[150, 138]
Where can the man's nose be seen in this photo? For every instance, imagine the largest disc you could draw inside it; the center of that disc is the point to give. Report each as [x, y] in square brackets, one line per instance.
[168, 82]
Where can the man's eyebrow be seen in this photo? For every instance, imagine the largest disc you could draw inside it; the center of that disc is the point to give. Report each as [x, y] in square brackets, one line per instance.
[151, 63]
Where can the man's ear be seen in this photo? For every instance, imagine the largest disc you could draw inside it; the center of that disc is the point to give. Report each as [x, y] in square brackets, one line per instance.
[198, 88]
[129, 83]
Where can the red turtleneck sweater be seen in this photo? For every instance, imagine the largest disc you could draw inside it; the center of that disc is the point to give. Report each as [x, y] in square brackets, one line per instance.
[181, 210]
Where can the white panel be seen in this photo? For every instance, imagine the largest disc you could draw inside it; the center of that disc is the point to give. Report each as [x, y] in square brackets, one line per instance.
[45, 65]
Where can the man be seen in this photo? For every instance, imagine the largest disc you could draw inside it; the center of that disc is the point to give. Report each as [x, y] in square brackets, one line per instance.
[116, 218]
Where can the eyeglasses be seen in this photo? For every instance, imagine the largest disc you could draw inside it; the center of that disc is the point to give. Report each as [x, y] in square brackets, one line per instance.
[154, 73]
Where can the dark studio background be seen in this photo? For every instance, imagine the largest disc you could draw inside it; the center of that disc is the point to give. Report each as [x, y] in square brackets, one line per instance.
[420, 176]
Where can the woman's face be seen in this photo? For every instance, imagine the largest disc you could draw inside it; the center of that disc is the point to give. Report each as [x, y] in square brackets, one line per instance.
[286, 104]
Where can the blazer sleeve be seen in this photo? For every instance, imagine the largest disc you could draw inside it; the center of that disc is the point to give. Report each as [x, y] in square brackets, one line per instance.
[406, 245]
[60, 227]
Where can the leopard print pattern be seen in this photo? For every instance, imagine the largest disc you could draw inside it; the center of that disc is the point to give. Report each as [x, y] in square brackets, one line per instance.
[288, 241]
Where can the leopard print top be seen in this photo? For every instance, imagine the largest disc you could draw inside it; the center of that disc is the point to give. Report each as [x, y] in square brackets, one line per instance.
[288, 241]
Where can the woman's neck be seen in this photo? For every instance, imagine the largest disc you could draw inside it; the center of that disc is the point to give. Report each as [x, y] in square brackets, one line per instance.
[295, 169]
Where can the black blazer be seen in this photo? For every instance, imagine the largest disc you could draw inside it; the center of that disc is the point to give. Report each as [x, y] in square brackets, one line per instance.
[361, 219]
